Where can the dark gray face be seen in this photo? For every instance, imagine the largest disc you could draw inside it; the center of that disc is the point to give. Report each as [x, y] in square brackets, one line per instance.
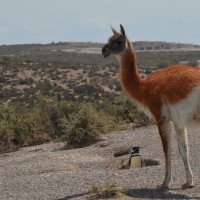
[116, 44]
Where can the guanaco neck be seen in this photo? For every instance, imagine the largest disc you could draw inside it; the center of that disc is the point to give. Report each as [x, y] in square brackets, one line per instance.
[129, 75]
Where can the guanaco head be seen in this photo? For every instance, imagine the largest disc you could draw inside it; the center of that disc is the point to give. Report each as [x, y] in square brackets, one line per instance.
[116, 44]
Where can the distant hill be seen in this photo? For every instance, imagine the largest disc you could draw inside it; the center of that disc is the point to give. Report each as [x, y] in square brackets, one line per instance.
[162, 46]
[149, 54]
[90, 47]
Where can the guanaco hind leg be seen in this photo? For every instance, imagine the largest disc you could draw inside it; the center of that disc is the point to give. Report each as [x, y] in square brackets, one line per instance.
[181, 135]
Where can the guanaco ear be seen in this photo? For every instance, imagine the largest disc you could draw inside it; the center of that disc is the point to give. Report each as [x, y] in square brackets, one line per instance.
[122, 30]
[113, 30]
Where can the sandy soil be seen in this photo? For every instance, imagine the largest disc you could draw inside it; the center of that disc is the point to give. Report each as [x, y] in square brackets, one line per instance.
[48, 172]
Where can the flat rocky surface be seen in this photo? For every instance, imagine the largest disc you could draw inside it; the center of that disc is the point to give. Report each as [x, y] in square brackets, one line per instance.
[48, 172]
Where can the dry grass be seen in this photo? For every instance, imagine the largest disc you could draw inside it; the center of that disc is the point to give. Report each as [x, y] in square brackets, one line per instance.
[108, 190]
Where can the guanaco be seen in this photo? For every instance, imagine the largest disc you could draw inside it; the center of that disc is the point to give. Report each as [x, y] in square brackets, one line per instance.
[168, 95]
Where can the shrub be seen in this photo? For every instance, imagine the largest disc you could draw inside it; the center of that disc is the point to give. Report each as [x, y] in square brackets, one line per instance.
[27, 131]
[78, 124]
[48, 117]
[163, 64]
[108, 190]
[87, 125]
[67, 109]
[19, 130]
[84, 89]
[6, 137]
[125, 111]
[6, 113]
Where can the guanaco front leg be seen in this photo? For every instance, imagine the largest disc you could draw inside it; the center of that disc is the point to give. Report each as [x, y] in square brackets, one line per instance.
[164, 129]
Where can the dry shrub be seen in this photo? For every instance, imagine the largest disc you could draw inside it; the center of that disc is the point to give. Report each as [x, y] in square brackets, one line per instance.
[78, 124]
[125, 112]
[6, 137]
[108, 190]
[86, 126]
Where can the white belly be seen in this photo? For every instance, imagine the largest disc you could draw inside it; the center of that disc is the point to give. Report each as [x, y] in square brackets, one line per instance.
[186, 112]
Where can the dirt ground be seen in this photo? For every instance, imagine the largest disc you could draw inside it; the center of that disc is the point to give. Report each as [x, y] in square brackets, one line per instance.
[48, 172]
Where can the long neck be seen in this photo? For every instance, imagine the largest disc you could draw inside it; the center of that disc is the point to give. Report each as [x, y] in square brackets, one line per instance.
[130, 78]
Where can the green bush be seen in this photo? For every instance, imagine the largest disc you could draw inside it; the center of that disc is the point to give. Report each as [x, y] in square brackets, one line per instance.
[6, 137]
[27, 131]
[67, 109]
[163, 64]
[19, 130]
[125, 112]
[77, 124]
[47, 116]
[6, 113]
[86, 126]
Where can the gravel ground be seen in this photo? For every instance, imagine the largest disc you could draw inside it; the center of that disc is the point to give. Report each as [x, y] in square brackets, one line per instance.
[48, 172]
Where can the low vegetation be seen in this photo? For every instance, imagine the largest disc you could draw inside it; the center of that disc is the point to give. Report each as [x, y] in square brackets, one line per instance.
[83, 98]
[108, 190]
[27, 71]
[87, 125]
[79, 124]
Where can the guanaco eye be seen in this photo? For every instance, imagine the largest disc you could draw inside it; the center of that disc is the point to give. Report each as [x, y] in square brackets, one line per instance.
[119, 42]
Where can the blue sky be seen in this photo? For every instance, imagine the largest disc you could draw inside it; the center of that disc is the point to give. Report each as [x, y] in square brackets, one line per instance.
[45, 21]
